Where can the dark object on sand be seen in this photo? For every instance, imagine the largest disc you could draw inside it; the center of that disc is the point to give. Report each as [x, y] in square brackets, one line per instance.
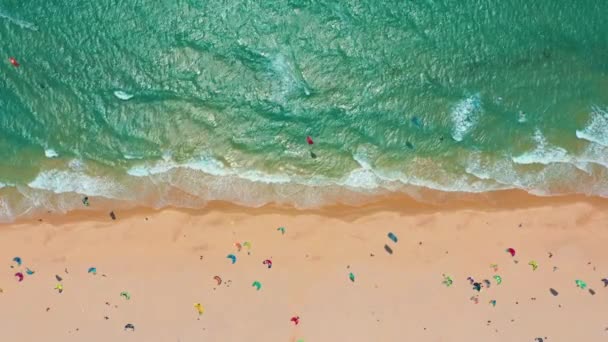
[112, 215]
[409, 145]
[538, 339]
[313, 155]
[85, 201]
[58, 277]
[130, 326]
[553, 292]
[592, 292]
[388, 249]
[605, 281]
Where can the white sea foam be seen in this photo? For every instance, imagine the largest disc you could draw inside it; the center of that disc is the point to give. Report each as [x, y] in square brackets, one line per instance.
[543, 153]
[465, 115]
[131, 156]
[50, 153]
[546, 154]
[62, 181]
[597, 128]
[123, 95]
[207, 165]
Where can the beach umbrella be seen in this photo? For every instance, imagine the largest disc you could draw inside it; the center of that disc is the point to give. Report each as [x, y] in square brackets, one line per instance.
[498, 279]
[268, 263]
[238, 246]
[510, 251]
[130, 327]
[28, 271]
[218, 279]
[92, 270]
[351, 276]
[605, 281]
[295, 320]
[247, 244]
[487, 282]
[393, 237]
[199, 308]
[257, 285]
[447, 281]
[19, 276]
[281, 229]
[534, 265]
[581, 284]
[231, 257]
[17, 260]
[126, 295]
[388, 249]
[59, 288]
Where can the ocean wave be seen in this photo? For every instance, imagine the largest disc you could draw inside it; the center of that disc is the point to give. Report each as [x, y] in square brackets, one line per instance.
[21, 23]
[597, 129]
[207, 165]
[193, 183]
[465, 115]
[64, 181]
[543, 179]
[546, 154]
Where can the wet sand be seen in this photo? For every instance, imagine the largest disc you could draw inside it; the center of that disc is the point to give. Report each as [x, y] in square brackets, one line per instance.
[167, 261]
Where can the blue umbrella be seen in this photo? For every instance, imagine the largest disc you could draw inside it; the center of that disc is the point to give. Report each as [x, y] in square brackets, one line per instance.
[392, 237]
[17, 260]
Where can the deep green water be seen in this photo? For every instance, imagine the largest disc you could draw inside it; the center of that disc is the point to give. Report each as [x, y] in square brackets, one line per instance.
[455, 95]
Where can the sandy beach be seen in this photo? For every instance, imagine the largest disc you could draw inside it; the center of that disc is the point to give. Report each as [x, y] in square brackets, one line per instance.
[167, 260]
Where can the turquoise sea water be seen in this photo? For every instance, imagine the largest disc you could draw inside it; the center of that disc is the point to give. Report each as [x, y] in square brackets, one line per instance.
[181, 102]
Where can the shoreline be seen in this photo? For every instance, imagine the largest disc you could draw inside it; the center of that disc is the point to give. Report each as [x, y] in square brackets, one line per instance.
[395, 202]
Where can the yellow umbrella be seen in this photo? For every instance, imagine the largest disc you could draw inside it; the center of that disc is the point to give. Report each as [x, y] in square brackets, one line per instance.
[199, 308]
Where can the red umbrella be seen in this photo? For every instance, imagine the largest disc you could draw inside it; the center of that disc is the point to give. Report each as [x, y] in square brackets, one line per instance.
[511, 251]
[295, 320]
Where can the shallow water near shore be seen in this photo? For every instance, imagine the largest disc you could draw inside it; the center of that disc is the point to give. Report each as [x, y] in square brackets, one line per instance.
[182, 103]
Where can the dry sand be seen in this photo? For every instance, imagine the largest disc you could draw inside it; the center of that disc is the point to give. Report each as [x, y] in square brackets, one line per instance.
[398, 297]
